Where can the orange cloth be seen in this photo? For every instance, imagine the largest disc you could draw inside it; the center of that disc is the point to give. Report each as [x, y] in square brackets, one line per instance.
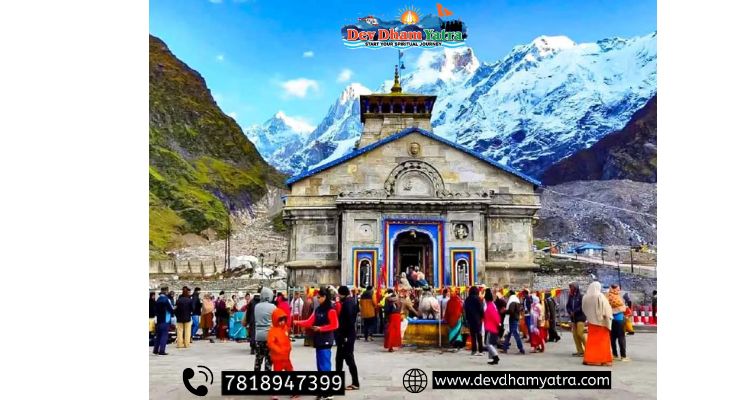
[598, 347]
[279, 345]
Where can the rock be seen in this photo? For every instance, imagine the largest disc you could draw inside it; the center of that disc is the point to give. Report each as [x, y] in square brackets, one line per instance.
[191, 239]
[278, 285]
[280, 272]
[209, 234]
[243, 261]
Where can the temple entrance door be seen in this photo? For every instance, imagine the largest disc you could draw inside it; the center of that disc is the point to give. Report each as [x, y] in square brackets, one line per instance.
[414, 249]
[410, 256]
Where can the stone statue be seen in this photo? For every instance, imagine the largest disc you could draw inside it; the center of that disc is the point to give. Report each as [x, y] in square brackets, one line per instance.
[403, 282]
[414, 149]
[461, 231]
[429, 306]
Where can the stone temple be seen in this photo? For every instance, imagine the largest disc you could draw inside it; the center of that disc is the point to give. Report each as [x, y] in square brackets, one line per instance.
[407, 197]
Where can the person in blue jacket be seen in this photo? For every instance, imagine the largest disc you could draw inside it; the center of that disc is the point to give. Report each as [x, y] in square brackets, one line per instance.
[164, 312]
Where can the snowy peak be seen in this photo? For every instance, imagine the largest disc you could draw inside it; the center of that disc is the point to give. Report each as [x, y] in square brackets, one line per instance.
[550, 44]
[281, 121]
[352, 92]
[438, 67]
[335, 134]
[279, 136]
[448, 62]
[540, 48]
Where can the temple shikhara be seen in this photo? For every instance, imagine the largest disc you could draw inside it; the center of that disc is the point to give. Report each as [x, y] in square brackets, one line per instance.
[406, 198]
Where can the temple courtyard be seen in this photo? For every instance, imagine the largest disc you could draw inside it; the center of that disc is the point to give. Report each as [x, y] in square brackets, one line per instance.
[381, 372]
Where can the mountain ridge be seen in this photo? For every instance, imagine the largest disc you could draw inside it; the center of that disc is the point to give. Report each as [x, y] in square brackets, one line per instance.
[629, 153]
[538, 104]
[201, 164]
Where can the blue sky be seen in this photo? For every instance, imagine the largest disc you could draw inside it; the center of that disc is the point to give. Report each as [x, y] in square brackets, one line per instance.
[262, 56]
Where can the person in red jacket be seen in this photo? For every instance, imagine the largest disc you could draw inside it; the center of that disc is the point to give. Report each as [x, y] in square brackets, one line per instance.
[279, 345]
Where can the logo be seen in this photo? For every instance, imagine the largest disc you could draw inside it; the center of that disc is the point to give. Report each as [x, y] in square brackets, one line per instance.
[201, 390]
[415, 380]
[409, 28]
[443, 12]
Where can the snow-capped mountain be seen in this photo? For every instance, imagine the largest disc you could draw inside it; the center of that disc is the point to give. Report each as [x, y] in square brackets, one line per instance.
[547, 99]
[333, 137]
[540, 103]
[280, 136]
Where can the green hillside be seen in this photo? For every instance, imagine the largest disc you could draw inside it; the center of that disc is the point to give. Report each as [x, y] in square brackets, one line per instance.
[199, 159]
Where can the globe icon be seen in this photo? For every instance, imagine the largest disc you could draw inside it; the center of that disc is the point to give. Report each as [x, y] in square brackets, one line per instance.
[415, 380]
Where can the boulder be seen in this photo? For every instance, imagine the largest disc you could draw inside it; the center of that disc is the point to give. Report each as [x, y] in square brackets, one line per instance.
[240, 261]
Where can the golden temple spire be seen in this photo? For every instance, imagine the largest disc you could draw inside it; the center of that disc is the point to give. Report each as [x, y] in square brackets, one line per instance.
[396, 84]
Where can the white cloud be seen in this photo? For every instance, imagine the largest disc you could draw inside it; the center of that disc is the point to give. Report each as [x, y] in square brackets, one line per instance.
[233, 115]
[220, 57]
[299, 87]
[308, 54]
[344, 75]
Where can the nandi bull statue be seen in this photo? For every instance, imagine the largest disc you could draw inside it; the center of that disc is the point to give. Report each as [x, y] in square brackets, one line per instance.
[429, 307]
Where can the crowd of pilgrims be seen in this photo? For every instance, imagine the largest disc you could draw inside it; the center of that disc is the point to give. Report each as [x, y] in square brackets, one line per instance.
[482, 318]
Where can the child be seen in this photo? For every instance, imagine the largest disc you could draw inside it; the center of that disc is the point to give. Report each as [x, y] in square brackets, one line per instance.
[279, 345]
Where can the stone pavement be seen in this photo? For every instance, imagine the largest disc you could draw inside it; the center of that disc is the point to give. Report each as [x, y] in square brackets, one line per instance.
[381, 372]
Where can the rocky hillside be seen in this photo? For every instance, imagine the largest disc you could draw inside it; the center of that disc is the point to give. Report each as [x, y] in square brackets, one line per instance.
[200, 162]
[572, 212]
[626, 154]
[252, 235]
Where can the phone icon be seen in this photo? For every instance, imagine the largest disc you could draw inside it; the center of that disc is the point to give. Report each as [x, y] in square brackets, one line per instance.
[201, 390]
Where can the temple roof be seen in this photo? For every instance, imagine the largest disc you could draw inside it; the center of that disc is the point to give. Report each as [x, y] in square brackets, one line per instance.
[399, 135]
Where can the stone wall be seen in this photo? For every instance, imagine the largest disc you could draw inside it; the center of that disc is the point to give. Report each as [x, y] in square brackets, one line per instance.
[460, 172]
[380, 127]
[314, 277]
[640, 287]
[315, 239]
[195, 267]
[230, 286]
[510, 241]
[513, 277]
